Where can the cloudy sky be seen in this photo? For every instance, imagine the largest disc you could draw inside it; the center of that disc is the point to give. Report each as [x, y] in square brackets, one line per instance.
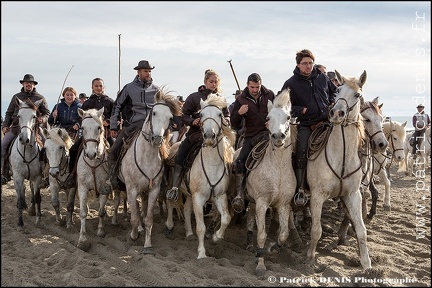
[390, 40]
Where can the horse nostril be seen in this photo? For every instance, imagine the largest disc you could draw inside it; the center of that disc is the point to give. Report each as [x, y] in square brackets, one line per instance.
[331, 113]
[341, 114]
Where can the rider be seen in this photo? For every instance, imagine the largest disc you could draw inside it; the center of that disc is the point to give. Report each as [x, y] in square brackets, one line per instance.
[65, 114]
[10, 126]
[421, 121]
[97, 100]
[250, 105]
[134, 102]
[311, 94]
[191, 118]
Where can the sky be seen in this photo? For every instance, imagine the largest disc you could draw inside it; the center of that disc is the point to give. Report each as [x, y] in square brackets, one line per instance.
[70, 43]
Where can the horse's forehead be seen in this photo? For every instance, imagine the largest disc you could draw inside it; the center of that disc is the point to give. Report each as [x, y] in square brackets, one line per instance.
[209, 111]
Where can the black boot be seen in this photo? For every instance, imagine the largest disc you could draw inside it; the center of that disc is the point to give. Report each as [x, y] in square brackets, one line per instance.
[112, 182]
[300, 198]
[5, 176]
[172, 194]
[238, 202]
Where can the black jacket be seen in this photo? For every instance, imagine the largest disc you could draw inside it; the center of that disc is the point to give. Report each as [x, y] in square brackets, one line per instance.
[315, 92]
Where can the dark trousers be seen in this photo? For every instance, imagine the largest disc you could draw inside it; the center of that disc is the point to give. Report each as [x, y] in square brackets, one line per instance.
[303, 134]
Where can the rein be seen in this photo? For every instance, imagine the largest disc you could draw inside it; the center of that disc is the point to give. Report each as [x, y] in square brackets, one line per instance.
[148, 136]
[212, 186]
[31, 145]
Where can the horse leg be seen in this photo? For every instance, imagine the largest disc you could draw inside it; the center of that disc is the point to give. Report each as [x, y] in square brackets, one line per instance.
[352, 202]
[169, 223]
[32, 209]
[284, 212]
[148, 220]
[198, 207]
[36, 195]
[188, 216]
[221, 203]
[372, 211]
[343, 230]
[260, 213]
[293, 236]
[54, 190]
[250, 224]
[135, 217]
[316, 203]
[83, 244]
[387, 184]
[71, 193]
[114, 220]
[102, 214]
[21, 204]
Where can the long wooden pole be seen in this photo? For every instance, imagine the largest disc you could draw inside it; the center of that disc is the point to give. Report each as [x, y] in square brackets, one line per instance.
[61, 91]
[119, 70]
[235, 77]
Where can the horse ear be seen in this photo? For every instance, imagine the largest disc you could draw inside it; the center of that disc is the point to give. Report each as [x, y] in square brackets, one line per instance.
[19, 102]
[45, 132]
[376, 100]
[100, 112]
[269, 105]
[80, 112]
[362, 79]
[404, 124]
[37, 103]
[339, 77]
[380, 105]
[60, 133]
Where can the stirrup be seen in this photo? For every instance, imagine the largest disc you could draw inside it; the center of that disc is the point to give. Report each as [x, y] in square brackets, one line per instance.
[237, 204]
[300, 198]
[172, 194]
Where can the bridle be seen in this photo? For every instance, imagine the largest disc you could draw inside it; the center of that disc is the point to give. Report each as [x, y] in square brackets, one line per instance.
[149, 137]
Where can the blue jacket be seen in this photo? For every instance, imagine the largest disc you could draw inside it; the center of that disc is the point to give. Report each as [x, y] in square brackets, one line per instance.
[67, 116]
[315, 92]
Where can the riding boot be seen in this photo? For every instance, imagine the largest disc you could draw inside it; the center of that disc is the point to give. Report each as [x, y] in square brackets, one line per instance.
[45, 175]
[300, 198]
[238, 202]
[5, 176]
[112, 182]
[172, 194]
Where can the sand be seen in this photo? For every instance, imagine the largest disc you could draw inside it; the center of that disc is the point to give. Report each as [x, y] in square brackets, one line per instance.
[398, 241]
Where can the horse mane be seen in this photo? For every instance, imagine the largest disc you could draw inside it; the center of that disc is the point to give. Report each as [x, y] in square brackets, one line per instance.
[388, 127]
[371, 105]
[60, 136]
[282, 99]
[163, 96]
[229, 139]
[353, 83]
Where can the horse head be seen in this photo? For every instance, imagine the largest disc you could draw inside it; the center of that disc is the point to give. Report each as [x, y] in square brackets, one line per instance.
[395, 133]
[28, 117]
[279, 118]
[212, 118]
[160, 117]
[348, 99]
[92, 132]
[372, 120]
[57, 145]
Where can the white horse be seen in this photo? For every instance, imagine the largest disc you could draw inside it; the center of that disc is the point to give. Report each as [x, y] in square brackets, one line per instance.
[271, 183]
[376, 142]
[142, 166]
[423, 153]
[335, 170]
[57, 145]
[395, 134]
[92, 169]
[24, 160]
[209, 175]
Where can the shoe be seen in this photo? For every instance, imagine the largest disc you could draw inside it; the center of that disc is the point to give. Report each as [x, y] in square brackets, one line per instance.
[44, 183]
[70, 183]
[4, 180]
[106, 189]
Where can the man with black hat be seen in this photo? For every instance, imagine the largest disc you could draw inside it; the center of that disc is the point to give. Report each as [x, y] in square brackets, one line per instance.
[10, 125]
[82, 97]
[133, 102]
[421, 121]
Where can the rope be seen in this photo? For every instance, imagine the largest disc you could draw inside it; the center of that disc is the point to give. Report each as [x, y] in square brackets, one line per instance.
[256, 155]
[319, 139]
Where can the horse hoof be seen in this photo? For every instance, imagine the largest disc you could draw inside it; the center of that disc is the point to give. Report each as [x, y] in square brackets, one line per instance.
[85, 246]
[20, 228]
[169, 233]
[32, 211]
[250, 248]
[101, 233]
[386, 208]
[148, 251]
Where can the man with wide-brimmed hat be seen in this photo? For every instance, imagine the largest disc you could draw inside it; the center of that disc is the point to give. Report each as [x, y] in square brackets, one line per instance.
[133, 103]
[10, 125]
[421, 121]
